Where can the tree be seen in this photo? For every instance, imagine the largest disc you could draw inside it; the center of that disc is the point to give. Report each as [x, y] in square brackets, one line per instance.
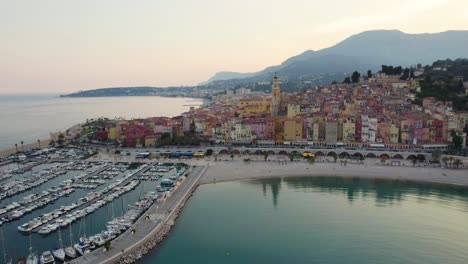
[445, 160]
[22, 146]
[436, 155]
[355, 77]
[457, 140]
[142, 141]
[107, 245]
[266, 156]
[52, 143]
[414, 161]
[457, 163]
[39, 143]
[61, 139]
[123, 142]
[369, 74]
[232, 156]
[334, 82]
[16, 147]
[192, 127]
[347, 80]
[406, 74]
[412, 76]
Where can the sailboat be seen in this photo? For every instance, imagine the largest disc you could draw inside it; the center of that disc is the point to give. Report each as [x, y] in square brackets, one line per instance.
[4, 250]
[32, 257]
[59, 253]
[70, 251]
[82, 247]
[47, 258]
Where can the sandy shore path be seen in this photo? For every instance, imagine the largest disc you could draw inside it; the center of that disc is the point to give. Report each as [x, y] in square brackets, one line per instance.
[239, 170]
[44, 143]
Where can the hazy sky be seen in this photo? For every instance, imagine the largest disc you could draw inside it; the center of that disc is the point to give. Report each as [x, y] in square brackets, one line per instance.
[65, 46]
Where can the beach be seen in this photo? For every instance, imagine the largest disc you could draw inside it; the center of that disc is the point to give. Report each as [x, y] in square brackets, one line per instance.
[6, 152]
[221, 171]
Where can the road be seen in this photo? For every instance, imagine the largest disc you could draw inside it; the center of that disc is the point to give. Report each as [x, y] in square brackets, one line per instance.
[144, 228]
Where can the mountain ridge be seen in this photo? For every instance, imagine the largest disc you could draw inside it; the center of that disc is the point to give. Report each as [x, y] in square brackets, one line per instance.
[368, 49]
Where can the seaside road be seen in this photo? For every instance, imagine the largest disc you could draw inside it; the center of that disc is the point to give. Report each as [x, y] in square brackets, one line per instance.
[144, 228]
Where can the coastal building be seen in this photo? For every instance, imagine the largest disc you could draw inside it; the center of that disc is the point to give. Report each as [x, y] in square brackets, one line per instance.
[292, 129]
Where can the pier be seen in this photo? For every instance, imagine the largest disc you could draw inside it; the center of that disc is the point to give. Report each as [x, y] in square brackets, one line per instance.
[150, 223]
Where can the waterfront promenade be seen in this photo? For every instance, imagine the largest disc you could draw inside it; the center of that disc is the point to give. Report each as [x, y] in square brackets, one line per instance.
[147, 226]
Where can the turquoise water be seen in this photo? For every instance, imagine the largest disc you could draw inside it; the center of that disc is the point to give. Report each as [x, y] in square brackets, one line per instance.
[320, 220]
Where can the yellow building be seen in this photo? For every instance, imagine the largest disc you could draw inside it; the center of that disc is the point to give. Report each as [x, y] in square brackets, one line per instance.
[394, 133]
[279, 130]
[293, 110]
[349, 129]
[254, 106]
[150, 141]
[292, 130]
[112, 133]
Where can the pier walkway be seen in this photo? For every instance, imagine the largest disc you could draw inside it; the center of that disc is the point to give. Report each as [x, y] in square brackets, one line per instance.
[148, 224]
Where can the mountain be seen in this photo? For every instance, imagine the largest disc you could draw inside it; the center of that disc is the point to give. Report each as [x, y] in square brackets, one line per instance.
[363, 51]
[224, 75]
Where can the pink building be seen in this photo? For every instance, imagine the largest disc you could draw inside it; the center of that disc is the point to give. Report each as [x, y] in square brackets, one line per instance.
[262, 128]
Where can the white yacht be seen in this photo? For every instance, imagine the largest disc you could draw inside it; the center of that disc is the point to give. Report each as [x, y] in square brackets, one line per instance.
[32, 259]
[59, 253]
[47, 258]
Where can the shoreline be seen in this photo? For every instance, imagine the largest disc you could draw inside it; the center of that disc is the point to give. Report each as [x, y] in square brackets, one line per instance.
[27, 146]
[240, 171]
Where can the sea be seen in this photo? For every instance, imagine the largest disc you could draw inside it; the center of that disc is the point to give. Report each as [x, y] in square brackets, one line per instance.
[324, 220]
[29, 117]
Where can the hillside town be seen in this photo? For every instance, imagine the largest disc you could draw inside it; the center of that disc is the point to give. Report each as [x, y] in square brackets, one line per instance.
[377, 110]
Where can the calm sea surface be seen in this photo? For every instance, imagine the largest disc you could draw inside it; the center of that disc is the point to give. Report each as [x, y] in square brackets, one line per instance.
[32, 117]
[320, 220]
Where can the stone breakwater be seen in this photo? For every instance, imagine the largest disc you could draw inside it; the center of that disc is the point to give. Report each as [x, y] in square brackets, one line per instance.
[156, 239]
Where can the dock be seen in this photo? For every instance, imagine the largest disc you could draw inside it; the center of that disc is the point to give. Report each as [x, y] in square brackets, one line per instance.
[155, 218]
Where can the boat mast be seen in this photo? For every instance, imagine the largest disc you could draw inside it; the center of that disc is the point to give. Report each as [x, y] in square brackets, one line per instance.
[30, 243]
[60, 238]
[71, 237]
[3, 247]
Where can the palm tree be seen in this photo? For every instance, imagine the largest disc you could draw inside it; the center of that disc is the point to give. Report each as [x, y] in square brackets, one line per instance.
[16, 147]
[39, 143]
[444, 160]
[22, 146]
[107, 245]
[436, 155]
[451, 161]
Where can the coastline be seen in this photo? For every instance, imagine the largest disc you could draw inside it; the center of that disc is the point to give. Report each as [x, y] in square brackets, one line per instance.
[238, 170]
[27, 146]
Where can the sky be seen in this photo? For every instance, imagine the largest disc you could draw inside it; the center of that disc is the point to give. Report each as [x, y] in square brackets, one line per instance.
[62, 46]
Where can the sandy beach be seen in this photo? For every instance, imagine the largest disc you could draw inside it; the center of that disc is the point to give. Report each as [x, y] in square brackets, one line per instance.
[44, 143]
[221, 171]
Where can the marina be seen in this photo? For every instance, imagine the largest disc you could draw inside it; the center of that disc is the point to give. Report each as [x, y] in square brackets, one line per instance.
[71, 208]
